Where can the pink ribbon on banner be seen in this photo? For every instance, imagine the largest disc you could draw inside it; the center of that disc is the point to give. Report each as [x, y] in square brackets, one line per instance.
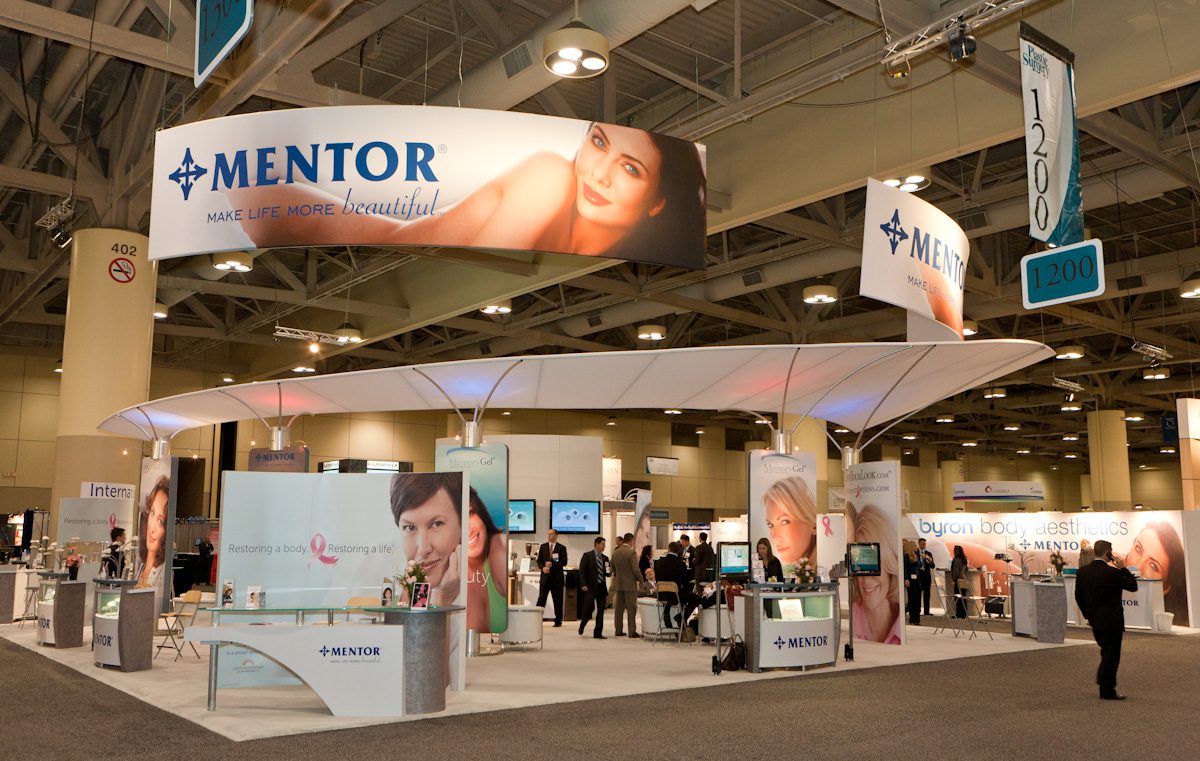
[825, 523]
[317, 545]
[112, 520]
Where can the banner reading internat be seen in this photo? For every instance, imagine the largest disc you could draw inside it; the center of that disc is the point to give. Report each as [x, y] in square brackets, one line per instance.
[415, 175]
[914, 256]
[1051, 139]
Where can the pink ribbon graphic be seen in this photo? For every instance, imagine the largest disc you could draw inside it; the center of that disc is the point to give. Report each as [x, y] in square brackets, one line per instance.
[112, 520]
[825, 523]
[317, 545]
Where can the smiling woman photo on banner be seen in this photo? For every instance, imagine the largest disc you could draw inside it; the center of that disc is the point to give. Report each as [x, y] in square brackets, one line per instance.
[427, 508]
[791, 514]
[626, 194]
[876, 609]
[152, 529]
[487, 572]
[1157, 553]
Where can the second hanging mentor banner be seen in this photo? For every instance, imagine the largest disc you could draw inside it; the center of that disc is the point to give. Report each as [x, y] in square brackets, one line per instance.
[424, 176]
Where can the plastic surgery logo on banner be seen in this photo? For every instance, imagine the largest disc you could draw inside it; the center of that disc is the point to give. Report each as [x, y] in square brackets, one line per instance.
[112, 521]
[318, 545]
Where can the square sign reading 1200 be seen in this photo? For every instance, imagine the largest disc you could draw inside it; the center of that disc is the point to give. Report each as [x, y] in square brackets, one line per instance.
[1067, 273]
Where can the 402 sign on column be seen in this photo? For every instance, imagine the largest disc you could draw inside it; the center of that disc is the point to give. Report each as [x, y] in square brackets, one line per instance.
[1060, 275]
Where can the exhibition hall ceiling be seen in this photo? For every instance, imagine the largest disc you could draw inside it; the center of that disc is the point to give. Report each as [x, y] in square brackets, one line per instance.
[796, 111]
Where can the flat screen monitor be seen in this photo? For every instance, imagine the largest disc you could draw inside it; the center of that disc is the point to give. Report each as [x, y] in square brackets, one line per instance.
[734, 558]
[864, 558]
[575, 516]
[522, 517]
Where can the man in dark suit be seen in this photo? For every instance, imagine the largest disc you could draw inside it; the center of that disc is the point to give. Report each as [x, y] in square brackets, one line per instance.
[703, 561]
[1098, 588]
[552, 559]
[686, 552]
[925, 572]
[594, 570]
[670, 567]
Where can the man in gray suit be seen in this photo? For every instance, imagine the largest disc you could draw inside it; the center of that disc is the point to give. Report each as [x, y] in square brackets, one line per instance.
[625, 582]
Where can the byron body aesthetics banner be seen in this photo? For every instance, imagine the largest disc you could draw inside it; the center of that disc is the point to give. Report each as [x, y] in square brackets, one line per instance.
[156, 529]
[1051, 139]
[415, 175]
[783, 506]
[307, 540]
[873, 515]
[914, 256]
[487, 530]
[1151, 540]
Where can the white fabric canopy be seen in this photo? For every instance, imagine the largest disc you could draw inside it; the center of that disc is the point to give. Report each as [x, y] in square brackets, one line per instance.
[854, 385]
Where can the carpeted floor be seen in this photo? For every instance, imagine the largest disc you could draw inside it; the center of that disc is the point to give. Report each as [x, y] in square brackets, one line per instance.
[1028, 705]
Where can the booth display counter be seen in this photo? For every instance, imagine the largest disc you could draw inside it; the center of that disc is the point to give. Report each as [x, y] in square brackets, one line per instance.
[122, 625]
[60, 605]
[425, 664]
[1039, 608]
[1141, 607]
[14, 585]
[791, 625]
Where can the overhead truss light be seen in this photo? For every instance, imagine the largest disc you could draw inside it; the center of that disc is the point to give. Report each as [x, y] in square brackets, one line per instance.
[1024, 451]
[1071, 456]
[651, 332]
[1073, 351]
[576, 51]
[1190, 288]
[612, 420]
[970, 443]
[1071, 404]
[909, 437]
[947, 29]
[911, 182]
[503, 306]
[344, 335]
[1166, 450]
[672, 412]
[1134, 417]
[1012, 426]
[1152, 352]
[304, 369]
[841, 429]
[995, 392]
[1156, 373]
[820, 294]
[1070, 437]
[944, 419]
[1067, 385]
[233, 261]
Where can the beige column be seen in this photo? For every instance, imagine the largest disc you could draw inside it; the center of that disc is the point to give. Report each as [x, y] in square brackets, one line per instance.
[1108, 455]
[952, 473]
[1189, 451]
[106, 359]
[810, 437]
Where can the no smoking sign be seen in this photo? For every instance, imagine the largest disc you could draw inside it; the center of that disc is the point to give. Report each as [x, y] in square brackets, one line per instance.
[121, 270]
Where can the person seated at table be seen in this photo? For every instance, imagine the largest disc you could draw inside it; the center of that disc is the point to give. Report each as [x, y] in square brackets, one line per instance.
[670, 567]
[646, 561]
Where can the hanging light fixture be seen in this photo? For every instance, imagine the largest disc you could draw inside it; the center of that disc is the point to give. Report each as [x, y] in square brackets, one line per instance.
[945, 419]
[58, 367]
[348, 333]
[970, 327]
[227, 379]
[1071, 456]
[915, 180]
[1166, 450]
[611, 420]
[909, 437]
[160, 310]
[995, 392]
[651, 332]
[820, 294]
[1012, 426]
[970, 443]
[1156, 373]
[1072, 351]
[1024, 451]
[235, 261]
[1134, 417]
[303, 369]
[1070, 437]
[503, 306]
[672, 412]
[576, 51]
[1190, 288]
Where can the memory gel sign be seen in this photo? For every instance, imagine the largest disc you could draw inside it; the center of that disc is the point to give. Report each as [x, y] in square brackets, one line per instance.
[415, 175]
[914, 256]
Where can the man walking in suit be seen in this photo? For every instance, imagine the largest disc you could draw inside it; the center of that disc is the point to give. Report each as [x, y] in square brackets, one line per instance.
[594, 571]
[625, 582]
[925, 571]
[1098, 588]
[552, 559]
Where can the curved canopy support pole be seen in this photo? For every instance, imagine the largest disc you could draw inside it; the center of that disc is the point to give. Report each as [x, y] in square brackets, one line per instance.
[159, 447]
[147, 434]
[778, 441]
[480, 410]
[468, 427]
[268, 426]
[884, 398]
[787, 382]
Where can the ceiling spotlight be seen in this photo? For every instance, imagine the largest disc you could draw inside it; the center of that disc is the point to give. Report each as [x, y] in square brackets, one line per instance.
[1074, 351]
[160, 310]
[945, 419]
[1012, 426]
[911, 182]
[1150, 351]
[970, 443]
[672, 412]
[303, 369]
[820, 294]
[651, 332]
[908, 451]
[503, 306]
[506, 413]
[235, 261]
[1190, 288]
[1071, 456]
[1166, 450]
[970, 327]
[1134, 417]
[611, 420]
[58, 367]
[314, 347]
[227, 379]
[1070, 437]
[909, 437]
[699, 431]
[995, 392]
[961, 41]
[1055, 467]
[1024, 451]
[1071, 405]
[841, 429]
[1139, 505]
[576, 51]
[348, 333]
[1156, 373]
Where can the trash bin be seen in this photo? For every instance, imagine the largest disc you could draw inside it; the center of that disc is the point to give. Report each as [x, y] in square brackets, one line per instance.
[1162, 621]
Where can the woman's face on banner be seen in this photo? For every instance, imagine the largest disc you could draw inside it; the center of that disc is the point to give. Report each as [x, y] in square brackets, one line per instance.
[617, 174]
[1149, 556]
[476, 536]
[791, 536]
[430, 533]
[873, 590]
[156, 523]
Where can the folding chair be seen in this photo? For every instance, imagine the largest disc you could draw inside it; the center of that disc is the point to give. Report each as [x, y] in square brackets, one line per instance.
[663, 605]
[183, 615]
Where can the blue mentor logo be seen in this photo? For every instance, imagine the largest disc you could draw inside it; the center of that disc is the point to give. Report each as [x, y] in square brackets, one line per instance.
[780, 642]
[187, 173]
[892, 229]
[323, 651]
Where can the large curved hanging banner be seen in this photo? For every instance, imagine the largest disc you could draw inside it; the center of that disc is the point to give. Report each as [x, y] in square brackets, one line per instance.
[424, 176]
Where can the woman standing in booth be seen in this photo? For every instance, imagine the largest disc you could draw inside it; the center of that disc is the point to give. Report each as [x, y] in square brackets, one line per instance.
[912, 583]
[959, 586]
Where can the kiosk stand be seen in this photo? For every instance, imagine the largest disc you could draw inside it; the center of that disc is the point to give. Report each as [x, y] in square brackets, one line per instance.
[123, 620]
[801, 629]
[60, 610]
